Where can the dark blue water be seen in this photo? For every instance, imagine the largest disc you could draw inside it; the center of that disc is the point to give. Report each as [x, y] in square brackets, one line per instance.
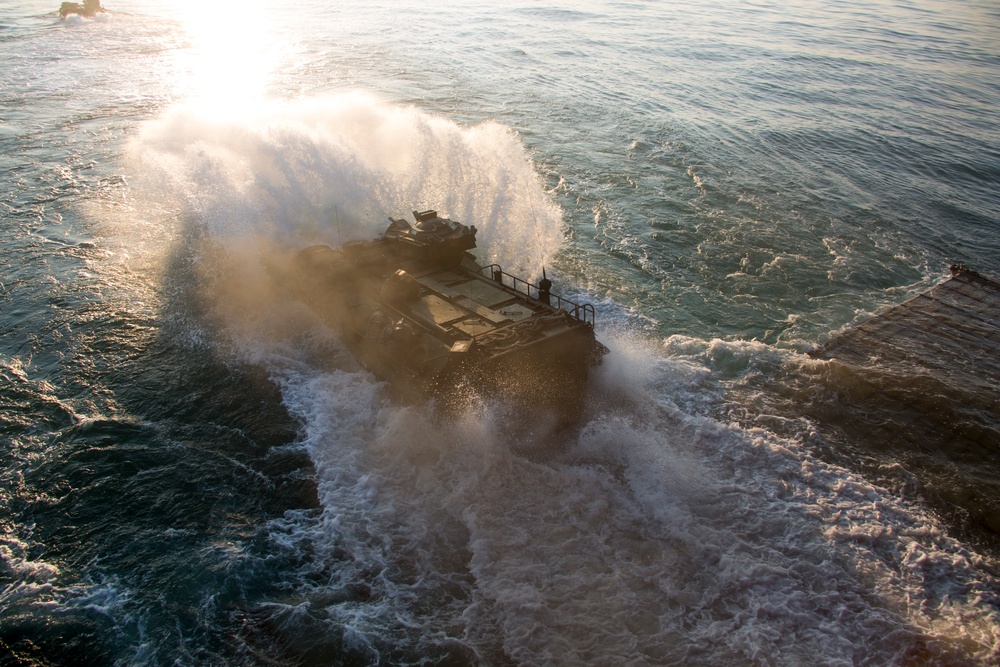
[195, 471]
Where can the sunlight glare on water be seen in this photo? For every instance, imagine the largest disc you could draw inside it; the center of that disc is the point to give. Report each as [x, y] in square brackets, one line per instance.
[233, 54]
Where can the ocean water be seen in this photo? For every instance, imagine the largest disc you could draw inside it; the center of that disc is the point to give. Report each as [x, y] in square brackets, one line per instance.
[196, 472]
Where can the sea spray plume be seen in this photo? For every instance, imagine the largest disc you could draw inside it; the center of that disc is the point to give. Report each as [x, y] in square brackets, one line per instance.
[252, 191]
[232, 189]
[285, 171]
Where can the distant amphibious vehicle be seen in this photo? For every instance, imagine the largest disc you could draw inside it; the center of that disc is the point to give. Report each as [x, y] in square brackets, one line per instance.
[418, 310]
[88, 8]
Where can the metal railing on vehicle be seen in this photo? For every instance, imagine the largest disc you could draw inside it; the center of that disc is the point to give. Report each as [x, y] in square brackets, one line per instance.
[581, 311]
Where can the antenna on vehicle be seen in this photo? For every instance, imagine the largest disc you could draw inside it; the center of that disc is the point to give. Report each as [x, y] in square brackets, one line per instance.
[534, 217]
[336, 212]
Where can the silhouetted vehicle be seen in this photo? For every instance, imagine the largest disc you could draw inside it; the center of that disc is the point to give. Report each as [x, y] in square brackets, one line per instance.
[418, 310]
[87, 8]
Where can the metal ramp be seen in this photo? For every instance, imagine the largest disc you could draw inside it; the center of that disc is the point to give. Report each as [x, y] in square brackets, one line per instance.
[950, 332]
[917, 397]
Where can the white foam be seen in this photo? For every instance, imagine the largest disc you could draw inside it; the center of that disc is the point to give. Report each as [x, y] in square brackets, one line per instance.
[36, 586]
[664, 535]
[27, 582]
[659, 536]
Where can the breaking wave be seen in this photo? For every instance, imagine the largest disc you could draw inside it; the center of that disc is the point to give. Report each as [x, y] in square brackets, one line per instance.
[331, 170]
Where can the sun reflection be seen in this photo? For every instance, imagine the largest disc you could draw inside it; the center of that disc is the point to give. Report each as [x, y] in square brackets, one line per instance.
[233, 52]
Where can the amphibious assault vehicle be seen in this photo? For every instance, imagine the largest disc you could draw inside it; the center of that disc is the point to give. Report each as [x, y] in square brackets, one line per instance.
[418, 310]
[87, 8]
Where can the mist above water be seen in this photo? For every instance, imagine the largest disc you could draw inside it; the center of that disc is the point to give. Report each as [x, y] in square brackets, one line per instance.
[332, 169]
